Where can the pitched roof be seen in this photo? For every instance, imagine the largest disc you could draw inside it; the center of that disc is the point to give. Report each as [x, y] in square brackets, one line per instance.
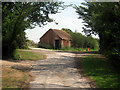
[62, 34]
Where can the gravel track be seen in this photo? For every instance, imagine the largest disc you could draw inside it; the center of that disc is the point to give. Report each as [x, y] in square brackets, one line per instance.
[57, 71]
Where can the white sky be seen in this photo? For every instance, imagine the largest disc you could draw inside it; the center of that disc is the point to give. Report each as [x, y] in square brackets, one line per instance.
[68, 18]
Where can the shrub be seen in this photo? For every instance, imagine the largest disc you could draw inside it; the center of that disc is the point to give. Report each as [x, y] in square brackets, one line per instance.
[31, 43]
[65, 48]
[114, 58]
[47, 46]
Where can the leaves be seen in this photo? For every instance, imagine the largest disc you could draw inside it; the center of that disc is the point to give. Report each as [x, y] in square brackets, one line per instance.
[19, 16]
[104, 19]
[81, 41]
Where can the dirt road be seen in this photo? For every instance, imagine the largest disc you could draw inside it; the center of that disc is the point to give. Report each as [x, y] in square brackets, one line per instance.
[57, 71]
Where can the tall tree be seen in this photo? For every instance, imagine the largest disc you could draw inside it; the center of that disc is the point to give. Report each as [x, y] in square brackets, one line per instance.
[19, 16]
[103, 19]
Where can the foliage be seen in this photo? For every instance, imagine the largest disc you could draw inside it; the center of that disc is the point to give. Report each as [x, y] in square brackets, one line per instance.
[100, 71]
[47, 46]
[103, 19]
[31, 43]
[22, 41]
[81, 41]
[19, 16]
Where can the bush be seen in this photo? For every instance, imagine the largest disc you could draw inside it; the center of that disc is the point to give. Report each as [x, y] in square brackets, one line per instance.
[24, 47]
[31, 43]
[66, 48]
[114, 58]
[47, 46]
[112, 52]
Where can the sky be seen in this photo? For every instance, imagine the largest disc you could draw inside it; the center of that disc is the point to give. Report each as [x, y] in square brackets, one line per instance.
[67, 18]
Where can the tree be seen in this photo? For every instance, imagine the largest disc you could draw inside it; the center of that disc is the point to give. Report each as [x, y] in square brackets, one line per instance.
[19, 16]
[22, 41]
[81, 41]
[103, 19]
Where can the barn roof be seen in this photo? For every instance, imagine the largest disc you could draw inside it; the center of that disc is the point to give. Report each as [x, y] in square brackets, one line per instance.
[62, 34]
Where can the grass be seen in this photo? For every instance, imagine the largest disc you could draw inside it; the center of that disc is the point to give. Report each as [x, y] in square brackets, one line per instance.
[28, 55]
[72, 49]
[77, 49]
[18, 76]
[12, 78]
[101, 72]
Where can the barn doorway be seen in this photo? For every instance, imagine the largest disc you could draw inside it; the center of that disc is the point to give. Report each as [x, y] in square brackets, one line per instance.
[57, 44]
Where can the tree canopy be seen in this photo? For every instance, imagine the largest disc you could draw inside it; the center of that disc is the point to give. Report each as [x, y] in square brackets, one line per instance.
[19, 16]
[103, 19]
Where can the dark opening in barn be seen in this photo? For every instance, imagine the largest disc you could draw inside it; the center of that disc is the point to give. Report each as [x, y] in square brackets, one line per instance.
[57, 44]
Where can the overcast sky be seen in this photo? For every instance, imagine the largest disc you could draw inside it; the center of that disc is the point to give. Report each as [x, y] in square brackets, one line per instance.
[68, 18]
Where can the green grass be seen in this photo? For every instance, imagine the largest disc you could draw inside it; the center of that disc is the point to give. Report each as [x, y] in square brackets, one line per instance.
[28, 55]
[101, 72]
[77, 49]
[73, 49]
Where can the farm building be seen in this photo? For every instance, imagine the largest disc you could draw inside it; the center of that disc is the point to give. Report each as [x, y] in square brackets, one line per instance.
[56, 38]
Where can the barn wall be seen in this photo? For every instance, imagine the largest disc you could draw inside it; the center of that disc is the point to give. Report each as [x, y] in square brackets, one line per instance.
[48, 38]
[65, 43]
[70, 43]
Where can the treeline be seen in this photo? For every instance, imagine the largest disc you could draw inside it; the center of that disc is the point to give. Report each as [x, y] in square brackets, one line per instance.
[103, 19]
[81, 41]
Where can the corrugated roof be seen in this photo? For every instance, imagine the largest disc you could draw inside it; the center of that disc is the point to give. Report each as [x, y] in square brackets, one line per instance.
[62, 34]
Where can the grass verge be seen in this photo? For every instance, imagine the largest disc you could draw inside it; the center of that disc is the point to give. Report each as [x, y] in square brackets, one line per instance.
[28, 55]
[12, 78]
[74, 49]
[101, 72]
[17, 74]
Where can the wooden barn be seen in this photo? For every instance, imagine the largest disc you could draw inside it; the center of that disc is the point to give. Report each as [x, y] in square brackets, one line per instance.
[56, 38]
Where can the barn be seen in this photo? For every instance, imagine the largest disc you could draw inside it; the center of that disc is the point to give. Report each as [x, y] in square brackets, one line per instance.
[56, 38]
